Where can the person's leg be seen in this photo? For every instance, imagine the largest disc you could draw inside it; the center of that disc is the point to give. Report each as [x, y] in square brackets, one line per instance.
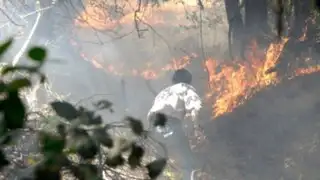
[179, 146]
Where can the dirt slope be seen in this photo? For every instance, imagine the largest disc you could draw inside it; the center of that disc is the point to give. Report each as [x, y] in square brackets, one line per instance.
[275, 135]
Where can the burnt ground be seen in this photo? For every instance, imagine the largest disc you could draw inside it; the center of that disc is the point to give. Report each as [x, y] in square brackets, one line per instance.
[275, 135]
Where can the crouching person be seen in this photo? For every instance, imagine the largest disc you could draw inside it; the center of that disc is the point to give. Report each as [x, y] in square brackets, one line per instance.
[179, 103]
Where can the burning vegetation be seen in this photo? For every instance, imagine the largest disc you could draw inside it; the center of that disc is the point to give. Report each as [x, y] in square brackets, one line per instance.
[263, 62]
[229, 84]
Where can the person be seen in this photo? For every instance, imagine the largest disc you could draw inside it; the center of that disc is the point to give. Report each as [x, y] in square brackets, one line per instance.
[179, 103]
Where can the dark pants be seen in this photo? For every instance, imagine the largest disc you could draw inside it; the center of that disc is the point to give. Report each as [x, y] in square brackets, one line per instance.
[178, 147]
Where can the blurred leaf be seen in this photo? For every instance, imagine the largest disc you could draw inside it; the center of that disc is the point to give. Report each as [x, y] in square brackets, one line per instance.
[43, 78]
[160, 120]
[103, 104]
[85, 172]
[115, 161]
[136, 126]
[89, 172]
[14, 111]
[135, 156]
[37, 54]
[7, 139]
[11, 69]
[317, 4]
[103, 137]
[87, 148]
[123, 144]
[31, 161]
[17, 84]
[156, 167]
[47, 172]
[4, 46]
[8, 69]
[3, 86]
[88, 117]
[61, 129]
[3, 160]
[51, 143]
[65, 110]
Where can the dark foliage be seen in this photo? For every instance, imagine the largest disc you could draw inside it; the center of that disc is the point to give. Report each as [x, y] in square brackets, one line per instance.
[81, 132]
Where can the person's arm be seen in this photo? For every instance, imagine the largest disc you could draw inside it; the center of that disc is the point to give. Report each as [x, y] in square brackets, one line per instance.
[193, 107]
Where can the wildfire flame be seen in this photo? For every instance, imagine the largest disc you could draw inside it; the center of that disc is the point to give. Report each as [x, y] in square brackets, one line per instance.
[229, 85]
[147, 72]
[169, 13]
[235, 83]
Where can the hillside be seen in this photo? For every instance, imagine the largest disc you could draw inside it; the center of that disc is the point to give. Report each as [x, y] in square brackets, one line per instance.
[275, 135]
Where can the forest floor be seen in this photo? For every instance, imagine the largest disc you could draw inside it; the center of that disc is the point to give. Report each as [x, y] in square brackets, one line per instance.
[274, 135]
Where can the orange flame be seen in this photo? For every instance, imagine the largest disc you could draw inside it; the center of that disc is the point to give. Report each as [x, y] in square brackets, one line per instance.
[237, 82]
[167, 14]
[230, 85]
[147, 72]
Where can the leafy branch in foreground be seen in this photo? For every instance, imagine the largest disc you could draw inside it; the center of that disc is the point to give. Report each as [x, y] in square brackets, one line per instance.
[80, 132]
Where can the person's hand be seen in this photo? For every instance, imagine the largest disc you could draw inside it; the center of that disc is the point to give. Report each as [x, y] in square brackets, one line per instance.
[199, 138]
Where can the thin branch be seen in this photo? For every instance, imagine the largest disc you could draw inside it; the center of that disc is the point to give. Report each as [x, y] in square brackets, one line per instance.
[89, 98]
[9, 18]
[26, 43]
[29, 14]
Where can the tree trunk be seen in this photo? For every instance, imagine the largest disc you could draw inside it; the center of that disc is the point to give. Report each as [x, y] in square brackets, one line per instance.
[302, 11]
[301, 36]
[235, 25]
[256, 18]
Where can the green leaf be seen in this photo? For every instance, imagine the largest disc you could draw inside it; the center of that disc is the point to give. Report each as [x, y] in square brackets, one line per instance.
[103, 137]
[317, 4]
[51, 143]
[17, 84]
[65, 110]
[89, 172]
[115, 161]
[136, 126]
[103, 104]
[3, 160]
[85, 172]
[14, 111]
[87, 148]
[37, 54]
[7, 139]
[43, 78]
[88, 117]
[4, 46]
[156, 167]
[3, 86]
[47, 172]
[8, 69]
[135, 156]
[12, 69]
[61, 129]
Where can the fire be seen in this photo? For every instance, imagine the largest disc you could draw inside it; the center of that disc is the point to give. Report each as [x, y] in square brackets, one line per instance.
[146, 72]
[235, 83]
[230, 84]
[169, 13]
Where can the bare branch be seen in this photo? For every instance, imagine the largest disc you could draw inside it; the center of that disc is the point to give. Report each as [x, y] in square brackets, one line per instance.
[9, 18]
[26, 43]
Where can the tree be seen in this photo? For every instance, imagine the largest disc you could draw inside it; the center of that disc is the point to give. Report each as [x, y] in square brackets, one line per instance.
[302, 12]
[235, 34]
[79, 132]
[256, 18]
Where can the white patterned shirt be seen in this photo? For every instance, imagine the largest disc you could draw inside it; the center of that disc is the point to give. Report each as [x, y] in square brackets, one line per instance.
[179, 101]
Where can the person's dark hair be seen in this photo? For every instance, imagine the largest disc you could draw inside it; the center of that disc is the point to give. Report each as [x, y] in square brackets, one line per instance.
[182, 76]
